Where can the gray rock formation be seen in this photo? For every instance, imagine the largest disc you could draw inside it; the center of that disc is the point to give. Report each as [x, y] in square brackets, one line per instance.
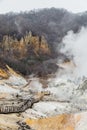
[15, 95]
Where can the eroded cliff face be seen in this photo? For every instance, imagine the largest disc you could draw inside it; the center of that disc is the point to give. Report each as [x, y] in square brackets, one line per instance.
[25, 47]
[27, 55]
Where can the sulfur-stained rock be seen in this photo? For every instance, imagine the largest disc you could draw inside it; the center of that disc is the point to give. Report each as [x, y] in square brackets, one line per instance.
[56, 108]
[8, 122]
[14, 79]
[13, 98]
[3, 74]
[77, 121]
[61, 122]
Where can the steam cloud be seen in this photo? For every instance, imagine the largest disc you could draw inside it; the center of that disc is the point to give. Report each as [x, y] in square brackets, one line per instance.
[75, 47]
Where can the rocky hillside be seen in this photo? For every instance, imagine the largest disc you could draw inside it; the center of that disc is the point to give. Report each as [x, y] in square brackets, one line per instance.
[52, 23]
[43, 100]
[27, 46]
[29, 39]
[26, 55]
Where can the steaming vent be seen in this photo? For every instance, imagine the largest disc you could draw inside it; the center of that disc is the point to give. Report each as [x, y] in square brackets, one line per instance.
[74, 46]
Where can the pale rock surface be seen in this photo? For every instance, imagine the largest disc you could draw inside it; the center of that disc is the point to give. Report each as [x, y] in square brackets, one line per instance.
[65, 97]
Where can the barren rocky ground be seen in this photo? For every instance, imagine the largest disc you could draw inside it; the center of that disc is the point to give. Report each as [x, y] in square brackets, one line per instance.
[51, 104]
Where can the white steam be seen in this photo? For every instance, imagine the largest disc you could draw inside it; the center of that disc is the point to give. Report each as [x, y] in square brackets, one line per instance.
[17, 23]
[75, 47]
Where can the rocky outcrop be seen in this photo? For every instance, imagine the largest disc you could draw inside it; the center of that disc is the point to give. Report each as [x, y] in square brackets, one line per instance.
[24, 47]
[27, 54]
[13, 94]
[18, 103]
[76, 121]
[3, 74]
[61, 122]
